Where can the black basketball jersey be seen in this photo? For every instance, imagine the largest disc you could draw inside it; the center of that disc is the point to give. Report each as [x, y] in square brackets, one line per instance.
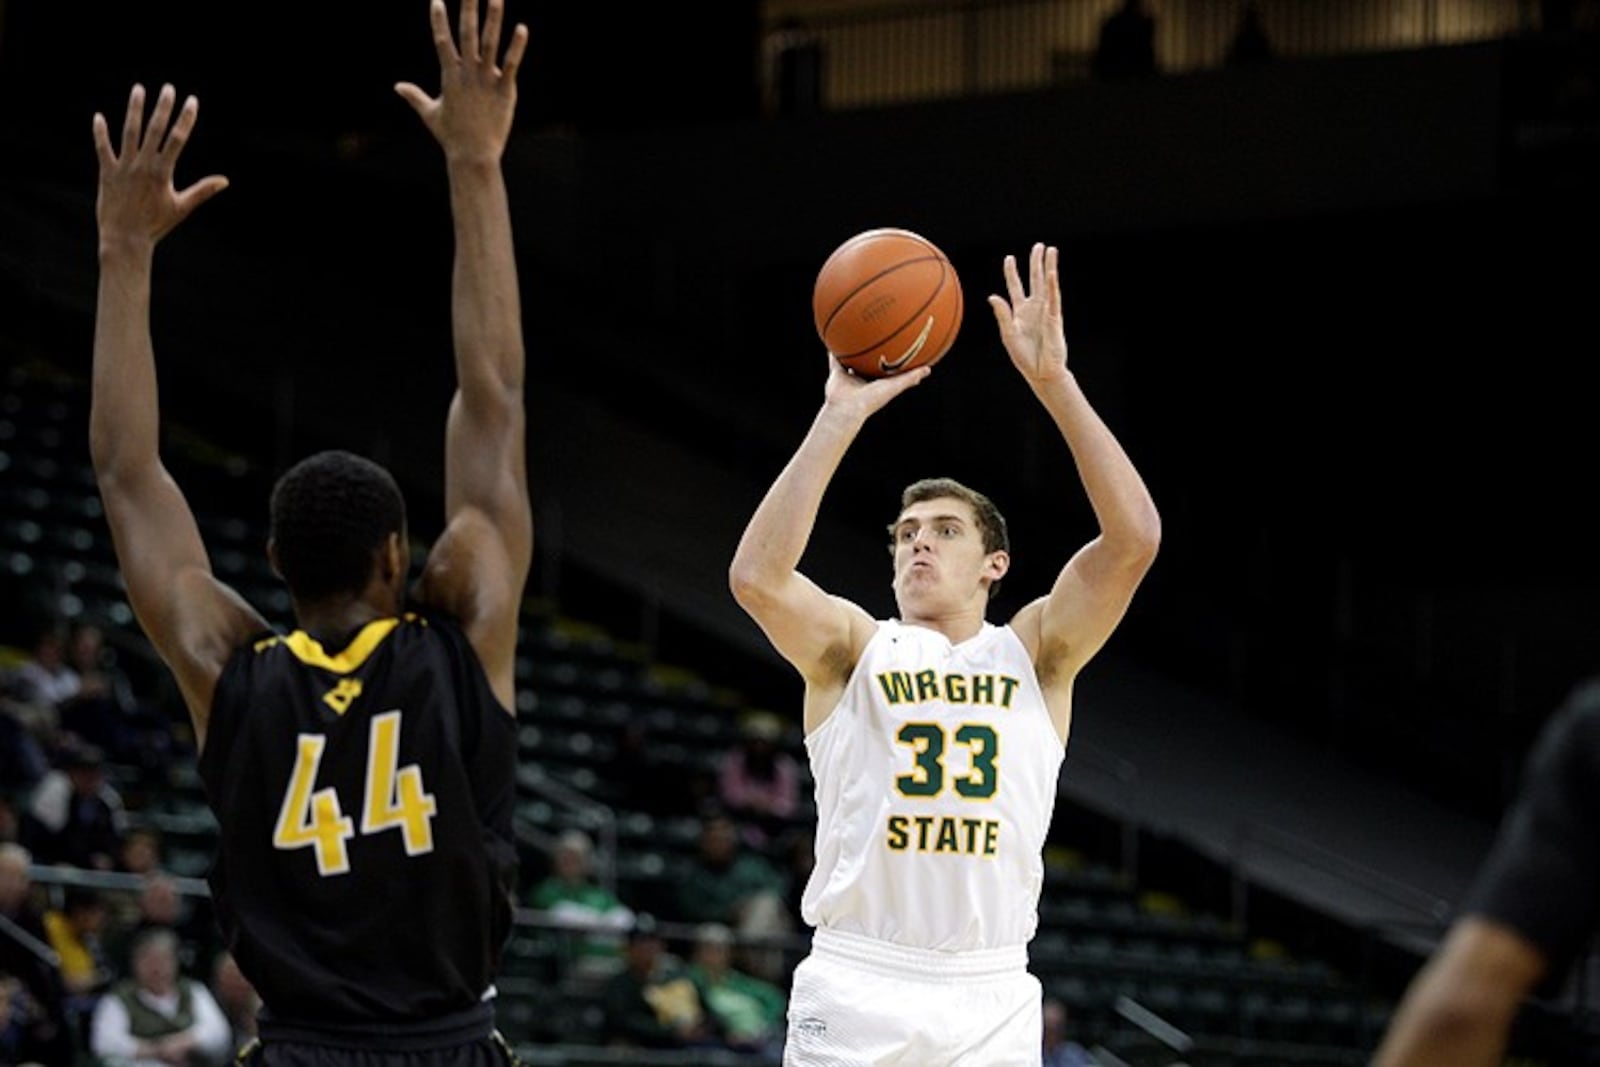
[366, 862]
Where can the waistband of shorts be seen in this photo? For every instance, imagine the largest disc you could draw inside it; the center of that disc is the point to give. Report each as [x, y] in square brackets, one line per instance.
[903, 961]
[442, 1031]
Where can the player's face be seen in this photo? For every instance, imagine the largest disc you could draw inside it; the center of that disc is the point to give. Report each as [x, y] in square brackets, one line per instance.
[939, 559]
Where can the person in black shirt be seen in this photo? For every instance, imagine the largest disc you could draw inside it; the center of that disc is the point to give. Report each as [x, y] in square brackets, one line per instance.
[361, 767]
[1530, 912]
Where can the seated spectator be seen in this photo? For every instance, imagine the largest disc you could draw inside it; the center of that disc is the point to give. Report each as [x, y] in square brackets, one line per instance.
[75, 816]
[141, 854]
[74, 932]
[746, 1012]
[25, 956]
[16, 1009]
[1059, 1048]
[141, 851]
[45, 680]
[573, 898]
[758, 782]
[651, 1002]
[104, 711]
[731, 884]
[23, 762]
[158, 1018]
[161, 906]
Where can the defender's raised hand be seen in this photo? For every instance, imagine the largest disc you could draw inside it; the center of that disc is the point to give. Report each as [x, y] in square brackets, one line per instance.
[1030, 325]
[471, 116]
[137, 201]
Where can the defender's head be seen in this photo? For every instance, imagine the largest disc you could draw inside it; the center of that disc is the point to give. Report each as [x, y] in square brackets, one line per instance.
[339, 531]
[949, 542]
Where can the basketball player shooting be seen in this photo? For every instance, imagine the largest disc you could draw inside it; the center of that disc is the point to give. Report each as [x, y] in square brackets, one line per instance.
[362, 767]
[936, 738]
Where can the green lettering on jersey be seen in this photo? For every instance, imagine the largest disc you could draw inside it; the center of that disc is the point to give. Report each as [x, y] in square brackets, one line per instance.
[896, 686]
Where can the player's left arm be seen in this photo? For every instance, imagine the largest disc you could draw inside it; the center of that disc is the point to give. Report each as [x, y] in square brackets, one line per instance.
[1065, 628]
[477, 569]
[1459, 1008]
[193, 620]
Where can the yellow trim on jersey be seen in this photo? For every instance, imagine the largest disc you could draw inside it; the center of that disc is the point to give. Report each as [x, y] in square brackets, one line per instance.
[308, 649]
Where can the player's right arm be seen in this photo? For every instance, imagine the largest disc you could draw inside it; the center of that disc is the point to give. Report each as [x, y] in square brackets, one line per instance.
[193, 620]
[477, 569]
[819, 634]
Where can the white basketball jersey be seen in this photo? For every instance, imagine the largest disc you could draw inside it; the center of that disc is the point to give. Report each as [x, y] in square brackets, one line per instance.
[935, 785]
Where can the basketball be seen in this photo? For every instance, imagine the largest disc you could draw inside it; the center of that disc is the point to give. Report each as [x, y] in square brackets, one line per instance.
[887, 301]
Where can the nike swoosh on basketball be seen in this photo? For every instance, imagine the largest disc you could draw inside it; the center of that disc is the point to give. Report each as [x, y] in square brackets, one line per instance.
[916, 346]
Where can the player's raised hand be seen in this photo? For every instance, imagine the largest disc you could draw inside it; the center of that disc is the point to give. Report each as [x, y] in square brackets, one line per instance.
[849, 392]
[1030, 324]
[471, 116]
[137, 201]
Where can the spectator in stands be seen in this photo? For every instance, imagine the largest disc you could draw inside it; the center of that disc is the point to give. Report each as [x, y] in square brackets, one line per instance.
[25, 955]
[1529, 914]
[1059, 1048]
[23, 762]
[1127, 45]
[746, 1013]
[236, 997]
[160, 906]
[16, 1009]
[45, 679]
[74, 932]
[729, 883]
[75, 816]
[652, 1002]
[573, 898]
[758, 782]
[104, 711]
[158, 1018]
[141, 854]
[141, 851]
[1250, 44]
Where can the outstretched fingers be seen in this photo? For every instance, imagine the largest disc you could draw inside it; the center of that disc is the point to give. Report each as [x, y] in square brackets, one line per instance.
[181, 129]
[156, 131]
[514, 51]
[102, 142]
[469, 29]
[443, 43]
[1002, 314]
[1014, 282]
[1052, 282]
[1036, 269]
[199, 193]
[133, 122]
[489, 46]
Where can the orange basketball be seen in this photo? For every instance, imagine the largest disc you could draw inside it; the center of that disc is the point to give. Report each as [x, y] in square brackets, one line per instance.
[887, 301]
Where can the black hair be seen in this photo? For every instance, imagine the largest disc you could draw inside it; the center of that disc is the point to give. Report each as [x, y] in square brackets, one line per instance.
[330, 512]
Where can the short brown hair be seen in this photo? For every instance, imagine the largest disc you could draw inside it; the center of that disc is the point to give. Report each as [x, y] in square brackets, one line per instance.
[991, 524]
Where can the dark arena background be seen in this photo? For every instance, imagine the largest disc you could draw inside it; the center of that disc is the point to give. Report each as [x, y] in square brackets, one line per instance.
[1338, 302]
